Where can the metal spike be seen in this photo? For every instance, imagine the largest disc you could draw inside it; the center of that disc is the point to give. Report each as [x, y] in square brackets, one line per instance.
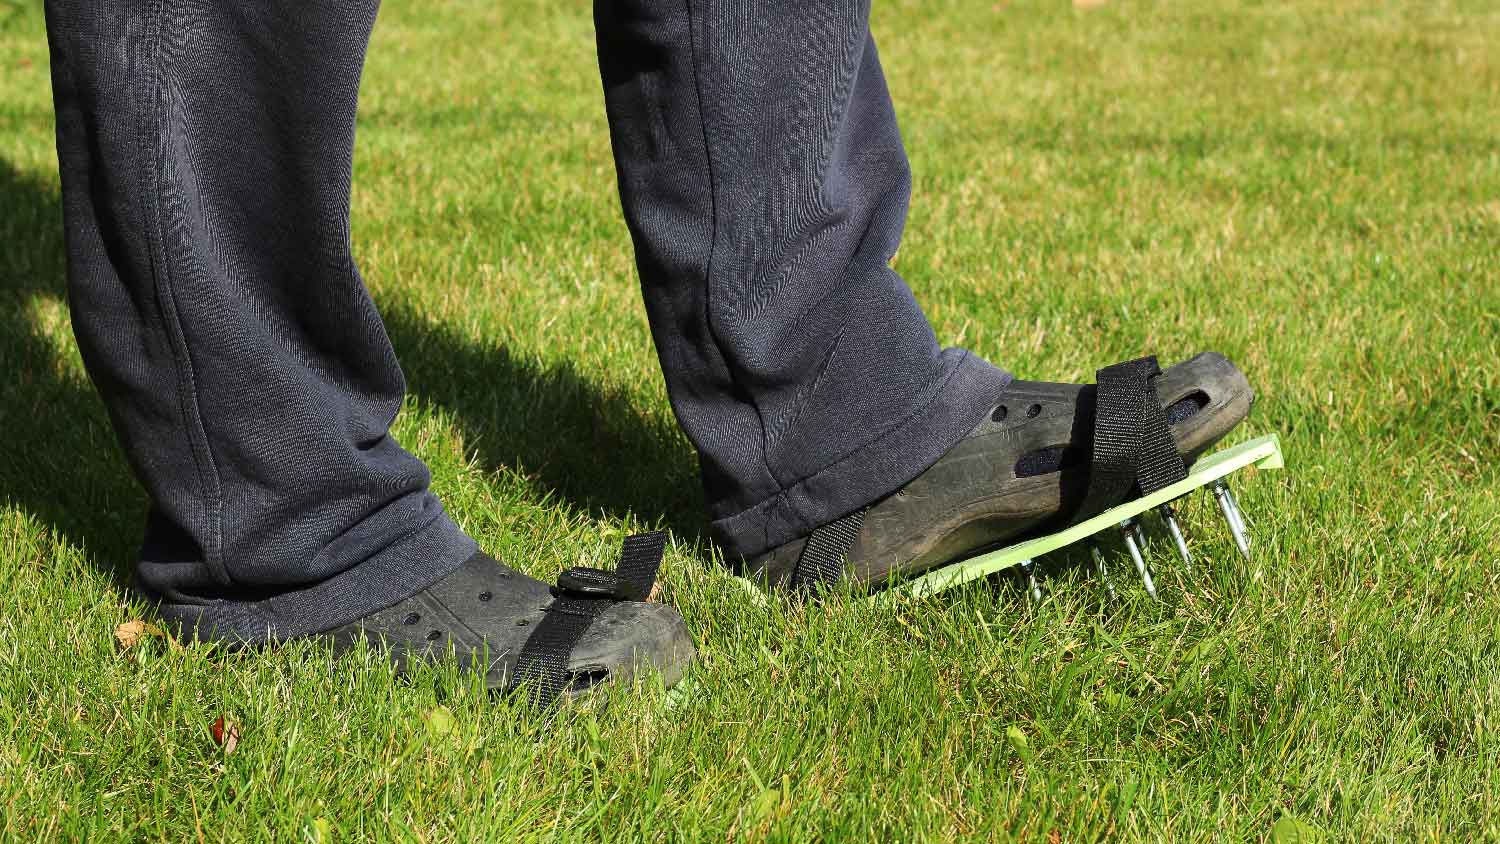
[1129, 530]
[1232, 517]
[1239, 515]
[1103, 572]
[1169, 517]
[1035, 588]
[1237, 521]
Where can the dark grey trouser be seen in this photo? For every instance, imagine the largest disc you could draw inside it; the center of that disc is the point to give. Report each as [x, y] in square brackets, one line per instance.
[205, 150]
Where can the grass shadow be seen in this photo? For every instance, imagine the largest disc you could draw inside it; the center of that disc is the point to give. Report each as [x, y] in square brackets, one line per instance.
[61, 464]
[587, 445]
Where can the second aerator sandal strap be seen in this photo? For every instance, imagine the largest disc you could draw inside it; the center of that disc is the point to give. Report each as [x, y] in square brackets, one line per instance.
[822, 558]
[1133, 448]
[585, 593]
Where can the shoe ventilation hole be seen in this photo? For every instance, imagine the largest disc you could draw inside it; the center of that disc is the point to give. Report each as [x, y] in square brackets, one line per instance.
[582, 680]
[521, 622]
[413, 618]
[434, 635]
[1185, 407]
[1000, 414]
[485, 596]
[1044, 461]
[1032, 411]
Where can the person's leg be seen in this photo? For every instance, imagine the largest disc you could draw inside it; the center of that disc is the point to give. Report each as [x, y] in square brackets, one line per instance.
[765, 185]
[205, 151]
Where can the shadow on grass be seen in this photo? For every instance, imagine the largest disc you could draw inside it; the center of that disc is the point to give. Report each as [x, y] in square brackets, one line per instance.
[60, 463]
[587, 448]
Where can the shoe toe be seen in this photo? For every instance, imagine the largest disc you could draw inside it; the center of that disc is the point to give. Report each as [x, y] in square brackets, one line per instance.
[629, 639]
[1221, 391]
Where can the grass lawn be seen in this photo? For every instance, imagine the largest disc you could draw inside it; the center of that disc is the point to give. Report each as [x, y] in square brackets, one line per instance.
[1312, 188]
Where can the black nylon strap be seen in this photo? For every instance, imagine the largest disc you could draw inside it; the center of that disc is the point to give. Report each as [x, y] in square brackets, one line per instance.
[639, 560]
[1132, 446]
[822, 558]
[542, 666]
[1161, 464]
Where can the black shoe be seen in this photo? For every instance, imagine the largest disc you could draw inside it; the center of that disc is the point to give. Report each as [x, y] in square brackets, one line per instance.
[1024, 469]
[518, 631]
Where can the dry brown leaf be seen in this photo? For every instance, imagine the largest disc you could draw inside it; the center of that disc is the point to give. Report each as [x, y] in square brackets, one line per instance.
[131, 633]
[226, 734]
[1087, 4]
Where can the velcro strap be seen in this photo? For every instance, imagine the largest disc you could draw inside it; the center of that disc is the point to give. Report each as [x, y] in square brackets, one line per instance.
[1133, 447]
[583, 595]
[822, 558]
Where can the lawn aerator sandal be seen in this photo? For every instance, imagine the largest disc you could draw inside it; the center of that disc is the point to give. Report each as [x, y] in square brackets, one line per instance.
[1051, 460]
[549, 641]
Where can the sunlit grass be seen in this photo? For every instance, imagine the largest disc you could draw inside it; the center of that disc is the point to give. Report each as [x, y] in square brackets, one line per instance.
[1311, 188]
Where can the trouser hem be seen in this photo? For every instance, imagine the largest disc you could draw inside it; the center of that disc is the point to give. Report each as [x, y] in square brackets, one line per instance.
[392, 575]
[872, 472]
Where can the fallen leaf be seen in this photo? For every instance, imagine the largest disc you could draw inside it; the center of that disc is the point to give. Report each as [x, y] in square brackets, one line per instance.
[226, 734]
[132, 632]
[1087, 4]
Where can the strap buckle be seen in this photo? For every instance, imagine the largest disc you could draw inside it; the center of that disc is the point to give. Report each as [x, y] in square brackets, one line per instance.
[630, 581]
[589, 582]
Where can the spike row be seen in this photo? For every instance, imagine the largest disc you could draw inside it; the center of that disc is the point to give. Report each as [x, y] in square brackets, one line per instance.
[1135, 542]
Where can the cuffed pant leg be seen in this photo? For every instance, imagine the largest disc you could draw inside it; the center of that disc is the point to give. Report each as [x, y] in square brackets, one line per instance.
[765, 186]
[205, 148]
